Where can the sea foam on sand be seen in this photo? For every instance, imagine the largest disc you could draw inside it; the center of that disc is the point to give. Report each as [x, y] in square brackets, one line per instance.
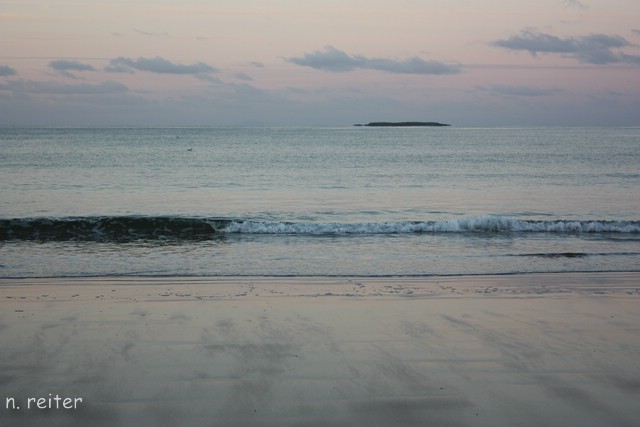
[531, 350]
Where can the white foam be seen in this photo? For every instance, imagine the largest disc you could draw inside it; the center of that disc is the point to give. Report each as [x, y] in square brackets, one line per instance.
[481, 224]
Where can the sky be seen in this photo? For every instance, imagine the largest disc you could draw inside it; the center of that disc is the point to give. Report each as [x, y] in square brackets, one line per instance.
[319, 63]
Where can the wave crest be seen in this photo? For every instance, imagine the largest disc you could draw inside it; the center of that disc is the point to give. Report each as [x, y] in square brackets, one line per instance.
[485, 224]
[130, 228]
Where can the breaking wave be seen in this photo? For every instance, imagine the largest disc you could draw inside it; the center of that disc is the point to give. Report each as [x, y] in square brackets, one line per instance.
[131, 228]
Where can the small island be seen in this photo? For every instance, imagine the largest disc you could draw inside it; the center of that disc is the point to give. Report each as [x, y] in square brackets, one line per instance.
[402, 124]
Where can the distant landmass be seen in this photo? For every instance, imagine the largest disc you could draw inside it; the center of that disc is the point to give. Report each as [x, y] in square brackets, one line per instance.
[399, 124]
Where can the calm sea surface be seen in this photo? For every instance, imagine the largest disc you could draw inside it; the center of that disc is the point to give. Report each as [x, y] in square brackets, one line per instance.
[318, 201]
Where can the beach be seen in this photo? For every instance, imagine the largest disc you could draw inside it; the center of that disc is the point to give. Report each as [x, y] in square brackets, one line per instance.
[208, 219]
[490, 350]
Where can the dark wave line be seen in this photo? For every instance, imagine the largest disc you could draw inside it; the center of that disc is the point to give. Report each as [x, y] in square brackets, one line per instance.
[107, 228]
[575, 254]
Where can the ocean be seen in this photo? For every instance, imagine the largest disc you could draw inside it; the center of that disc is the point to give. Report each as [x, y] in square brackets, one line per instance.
[348, 201]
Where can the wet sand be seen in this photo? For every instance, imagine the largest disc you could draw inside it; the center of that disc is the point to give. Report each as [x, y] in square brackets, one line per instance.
[520, 350]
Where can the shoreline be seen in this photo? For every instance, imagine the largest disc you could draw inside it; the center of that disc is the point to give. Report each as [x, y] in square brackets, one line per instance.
[548, 349]
[516, 284]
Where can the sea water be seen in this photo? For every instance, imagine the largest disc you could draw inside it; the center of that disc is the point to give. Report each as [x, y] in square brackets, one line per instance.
[318, 201]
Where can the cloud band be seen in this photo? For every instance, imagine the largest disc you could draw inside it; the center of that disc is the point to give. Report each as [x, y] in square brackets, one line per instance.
[157, 65]
[597, 49]
[334, 60]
